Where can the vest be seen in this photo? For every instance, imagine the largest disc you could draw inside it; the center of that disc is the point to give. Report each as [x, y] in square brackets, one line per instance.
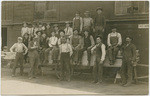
[114, 40]
[87, 42]
[99, 50]
[75, 41]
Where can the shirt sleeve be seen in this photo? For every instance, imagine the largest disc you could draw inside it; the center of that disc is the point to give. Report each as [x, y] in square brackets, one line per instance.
[103, 52]
[120, 39]
[49, 43]
[108, 40]
[93, 48]
[12, 48]
[92, 41]
[81, 23]
[70, 48]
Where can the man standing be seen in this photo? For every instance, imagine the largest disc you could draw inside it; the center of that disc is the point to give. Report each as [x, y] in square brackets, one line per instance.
[65, 56]
[99, 23]
[114, 40]
[129, 58]
[88, 22]
[33, 57]
[68, 30]
[19, 48]
[99, 49]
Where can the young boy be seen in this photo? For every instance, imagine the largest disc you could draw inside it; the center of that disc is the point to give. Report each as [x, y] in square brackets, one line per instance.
[77, 22]
[75, 41]
[20, 50]
[114, 41]
[24, 29]
[52, 43]
[33, 57]
[56, 30]
[88, 43]
[87, 22]
[68, 30]
[65, 54]
[100, 52]
[99, 23]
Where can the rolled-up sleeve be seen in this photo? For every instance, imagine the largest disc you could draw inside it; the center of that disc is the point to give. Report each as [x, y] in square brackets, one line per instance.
[108, 40]
[119, 39]
[103, 52]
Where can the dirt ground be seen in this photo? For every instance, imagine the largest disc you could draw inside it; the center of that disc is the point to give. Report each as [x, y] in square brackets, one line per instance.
[79, 84]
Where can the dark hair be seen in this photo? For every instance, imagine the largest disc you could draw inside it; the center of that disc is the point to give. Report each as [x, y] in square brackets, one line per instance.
[62, 31]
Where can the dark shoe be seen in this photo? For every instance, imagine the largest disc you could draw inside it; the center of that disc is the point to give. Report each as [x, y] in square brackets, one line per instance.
[13, 75]
[94, 81]
[126, 85]
[122, 84]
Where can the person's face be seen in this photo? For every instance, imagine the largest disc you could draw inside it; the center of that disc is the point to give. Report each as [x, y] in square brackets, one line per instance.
[114, 30]
[40, 25]
[63, 40]
[99, 11]
[67, 25]
[98, 40]
[55, 28]
[86, 15]
[19, 40]
[43, 35]
[128, 40]
[86, 33]
[24, 25]
[75, 32]
[39, 33]
[26, 36]
[62, 34]
[53, 33]
[48, 26]
[77, 15]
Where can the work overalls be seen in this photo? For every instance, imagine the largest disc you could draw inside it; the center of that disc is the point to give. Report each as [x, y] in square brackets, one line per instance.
[113, 49]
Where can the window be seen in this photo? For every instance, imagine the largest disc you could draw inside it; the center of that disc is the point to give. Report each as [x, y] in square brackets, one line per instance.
[48, 11]
[131, 7]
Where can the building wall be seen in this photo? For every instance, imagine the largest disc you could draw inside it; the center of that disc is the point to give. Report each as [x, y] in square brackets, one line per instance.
[14, 13]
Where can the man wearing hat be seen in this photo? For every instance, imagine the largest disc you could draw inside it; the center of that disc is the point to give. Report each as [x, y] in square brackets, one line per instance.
[99, 23]
[25, 42]
[87, 22]
[33, 29]
[128, 60]
[24, 29]
[88, 43]
[114, 40]
[20, 50]
[77, 22]
[65, 50]
[33, 57]
[68, 30]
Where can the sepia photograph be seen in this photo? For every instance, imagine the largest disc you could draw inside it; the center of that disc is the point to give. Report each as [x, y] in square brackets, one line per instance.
[86, 48]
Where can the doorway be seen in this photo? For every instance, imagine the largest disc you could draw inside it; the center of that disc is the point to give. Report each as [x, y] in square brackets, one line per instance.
[4, 37]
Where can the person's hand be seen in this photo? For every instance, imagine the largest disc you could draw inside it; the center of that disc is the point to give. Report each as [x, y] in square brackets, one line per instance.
[101, 62]
[88, 48]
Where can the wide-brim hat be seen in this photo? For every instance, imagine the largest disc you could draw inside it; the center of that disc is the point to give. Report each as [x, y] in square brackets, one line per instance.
[19, 38]
[99, 8]
[38, 32]
[55, 25]
[67, 22]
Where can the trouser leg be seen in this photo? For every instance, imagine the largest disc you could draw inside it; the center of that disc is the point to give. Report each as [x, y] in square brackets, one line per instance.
[124, 72]
[129, 72]
[110, 52]
[89, 55]
[81, 54]
[95, 72]
[15, 64]
[32, 62]
[46, 54]
[55, 53]
[100, 72]
[21, 64]
[115, 52]
[62, 67]
[67, 67]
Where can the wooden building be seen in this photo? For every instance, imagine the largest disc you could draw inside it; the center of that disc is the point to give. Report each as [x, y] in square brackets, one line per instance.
[130, 17]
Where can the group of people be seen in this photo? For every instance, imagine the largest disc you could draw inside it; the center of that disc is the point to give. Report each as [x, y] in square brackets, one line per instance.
[39, 40]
